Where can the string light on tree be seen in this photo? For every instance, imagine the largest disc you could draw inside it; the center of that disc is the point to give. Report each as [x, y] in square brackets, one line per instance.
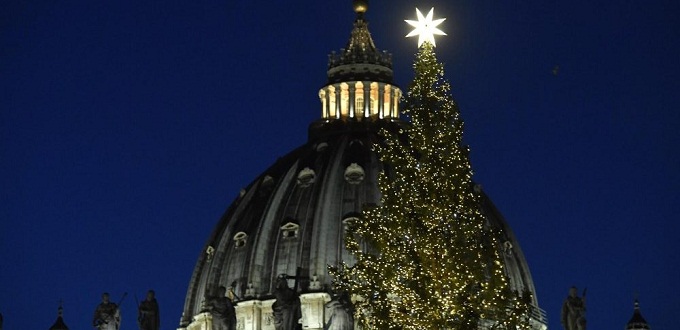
[425, 28]
[426, 257]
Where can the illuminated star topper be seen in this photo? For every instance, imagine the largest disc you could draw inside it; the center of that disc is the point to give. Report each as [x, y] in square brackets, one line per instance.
[425, 27]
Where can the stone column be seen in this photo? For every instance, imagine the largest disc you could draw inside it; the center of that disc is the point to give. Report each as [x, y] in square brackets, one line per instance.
[268, 315]
[352, 100]
[367, 99]
[248, 315]
[313, 309]
[338, 100]
[202, 321]
[381, 105]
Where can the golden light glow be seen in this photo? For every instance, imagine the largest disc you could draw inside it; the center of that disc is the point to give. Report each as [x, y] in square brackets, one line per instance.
[426, 256]
[359, 100]
[344, 100]
[425, 27]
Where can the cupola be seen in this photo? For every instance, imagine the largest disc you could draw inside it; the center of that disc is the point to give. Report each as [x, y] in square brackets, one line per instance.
[359, 85]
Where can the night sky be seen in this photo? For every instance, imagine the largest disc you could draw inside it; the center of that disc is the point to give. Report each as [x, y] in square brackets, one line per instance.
[128, 127]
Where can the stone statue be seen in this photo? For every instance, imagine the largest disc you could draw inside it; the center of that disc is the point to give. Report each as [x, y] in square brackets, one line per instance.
[222, 309]
[286, 308]
[340, 313]
[574, 311]
[107, 315]
[148, 316]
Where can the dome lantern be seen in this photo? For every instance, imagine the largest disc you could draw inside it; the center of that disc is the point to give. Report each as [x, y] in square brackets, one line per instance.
[359, 84]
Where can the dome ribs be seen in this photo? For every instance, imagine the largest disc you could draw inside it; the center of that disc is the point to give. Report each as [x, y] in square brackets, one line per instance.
[314, 214]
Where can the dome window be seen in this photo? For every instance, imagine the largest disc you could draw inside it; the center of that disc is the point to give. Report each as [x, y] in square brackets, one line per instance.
[507, 247]
[290, 230]
[266, 185]
[306, 177]
[477, 188]
[354, 174]
[240, 239]
[348, 221]
[344, 100]
[359, 100]
[210, 252]
[374, 100]
[267, 181]
[321, 146]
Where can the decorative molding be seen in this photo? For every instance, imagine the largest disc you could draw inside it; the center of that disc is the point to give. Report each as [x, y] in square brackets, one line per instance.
[306, 177]
[240, 239]
[354, 174]
[290, 230]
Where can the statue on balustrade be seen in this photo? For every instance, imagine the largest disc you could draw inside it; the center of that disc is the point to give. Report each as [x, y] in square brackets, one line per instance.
[339, 313]
[107, 314]
[574, 311]
[286, 308]
[148, 316]
[222, 309]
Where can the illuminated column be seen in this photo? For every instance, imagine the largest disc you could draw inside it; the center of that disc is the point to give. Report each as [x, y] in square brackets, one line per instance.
[395, 107]
[338, 91]
[344, 100]
[374, 106]
[249, 315]
[331, 102]
[367, 100]
[202, 321]
[312, 307]
[267, 315]
[352, 100]
[359, 100]
[387, 104]
[381, 91]
[324, 103]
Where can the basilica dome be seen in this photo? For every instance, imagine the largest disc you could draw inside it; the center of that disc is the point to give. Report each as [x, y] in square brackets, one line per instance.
[290, 220]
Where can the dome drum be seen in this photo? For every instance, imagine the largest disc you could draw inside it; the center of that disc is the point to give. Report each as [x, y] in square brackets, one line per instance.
[359, 100]
[340, 69]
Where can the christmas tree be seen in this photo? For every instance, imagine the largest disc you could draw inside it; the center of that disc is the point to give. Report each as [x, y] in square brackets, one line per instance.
[426, 257]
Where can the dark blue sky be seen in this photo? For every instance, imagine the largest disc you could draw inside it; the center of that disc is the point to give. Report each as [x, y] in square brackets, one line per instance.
[128, 127]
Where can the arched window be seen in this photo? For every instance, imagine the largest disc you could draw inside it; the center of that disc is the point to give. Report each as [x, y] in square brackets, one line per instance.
[374, 99]
[349, 219]
[240, 239]
[344, 100]
[306, 177]
[354, 174]
[321, 146]
[359, 100]
[267, 181]
[290, 230]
